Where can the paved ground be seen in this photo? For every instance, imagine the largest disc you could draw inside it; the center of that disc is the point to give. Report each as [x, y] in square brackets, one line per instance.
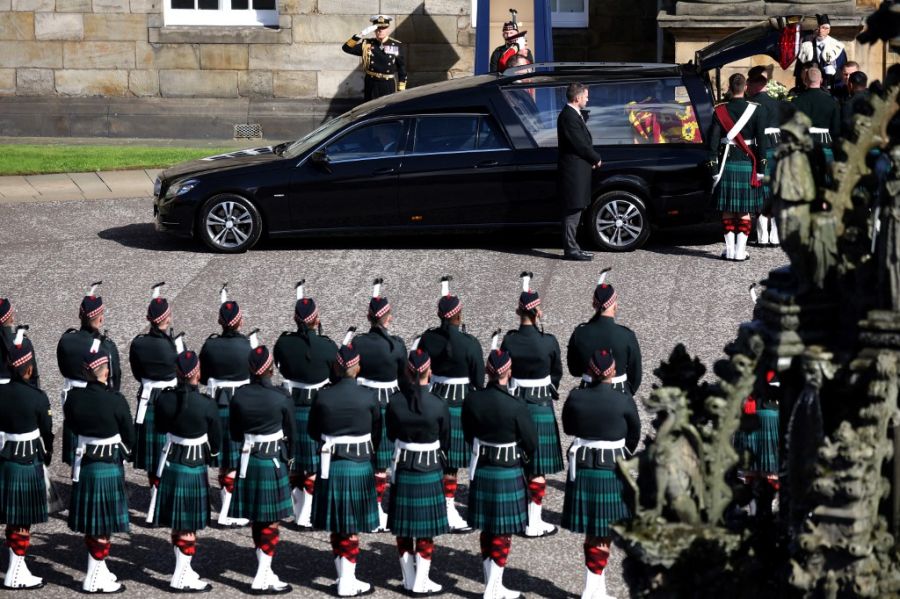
[675, 290]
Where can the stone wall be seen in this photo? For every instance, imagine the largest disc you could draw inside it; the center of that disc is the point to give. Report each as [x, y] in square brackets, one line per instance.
[619, 31]
[120, 48]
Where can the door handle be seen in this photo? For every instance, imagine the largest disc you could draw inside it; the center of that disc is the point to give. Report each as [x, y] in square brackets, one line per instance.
[487, 163]
[385, 171]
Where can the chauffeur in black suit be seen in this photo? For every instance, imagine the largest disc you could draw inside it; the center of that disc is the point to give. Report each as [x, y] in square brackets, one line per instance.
[577, 158]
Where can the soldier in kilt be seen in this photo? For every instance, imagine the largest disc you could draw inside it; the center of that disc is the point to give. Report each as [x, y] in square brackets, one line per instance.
[418, 422]
[738, 133]
[536, 373]
[305, 359]
[190, 421]
[383, 362]
[8, 331]
[346, 419]
[756, 441]
[152, 356]
[26, 434]
[606, 427]
[766, 228]
[602, 330]
[104, 430]
[70, 351]
[223, 369]
[503, 440]
[824, 114]
[262, 420]
[458, 365]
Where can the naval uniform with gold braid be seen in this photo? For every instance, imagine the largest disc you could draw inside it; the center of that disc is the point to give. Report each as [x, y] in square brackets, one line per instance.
[382, 62]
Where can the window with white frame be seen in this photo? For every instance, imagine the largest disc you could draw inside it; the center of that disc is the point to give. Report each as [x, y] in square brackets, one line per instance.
[569, 13]
[221, 12]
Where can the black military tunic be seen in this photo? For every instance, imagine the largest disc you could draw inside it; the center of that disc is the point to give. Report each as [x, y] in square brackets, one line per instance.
[382, 63]
[602, 332]
[822, 110]
[185, 412]
[261, 408]
[535, 355]
[24, 408]
[454, 354]
[382, 356]
[152, 357]
[753, 132]
[224, 358]
[599, 412]
[431, 423]
[75, 343]
[346, 409]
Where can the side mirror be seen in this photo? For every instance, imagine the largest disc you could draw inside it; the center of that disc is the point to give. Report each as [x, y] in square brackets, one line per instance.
[320, 159]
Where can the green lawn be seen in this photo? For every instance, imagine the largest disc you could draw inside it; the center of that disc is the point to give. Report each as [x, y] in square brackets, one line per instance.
[42, 159]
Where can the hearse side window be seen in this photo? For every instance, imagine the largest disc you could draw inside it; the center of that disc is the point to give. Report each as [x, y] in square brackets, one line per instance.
[377, 140]
[441, 134]
[619, 112]
[489, 136]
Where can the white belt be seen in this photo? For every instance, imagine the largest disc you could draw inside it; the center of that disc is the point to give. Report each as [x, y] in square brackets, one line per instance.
[328, 443]
[477, 444]
[68, 385]
[213, 385]
[376, 384]
[824, 132]
[420, 448]
[81, 445]
[4, 381]
[449, 380]
[17, 438]
[530, 383]
[291, 385]
[772, 131]
[729, 142]
[579, 443]
[616, 380]
[147, 387]
[250, 441]
[194, 443]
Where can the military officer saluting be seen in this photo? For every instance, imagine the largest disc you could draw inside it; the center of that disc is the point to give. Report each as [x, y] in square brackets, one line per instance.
[382, 61]
[305, 358]
[26, 446]
[224, 369]
[190, 421]
[605, 425]
[72, 347]
[152, 356]
[382, 365]
[536, 373]
[603, 331]
[458, 369]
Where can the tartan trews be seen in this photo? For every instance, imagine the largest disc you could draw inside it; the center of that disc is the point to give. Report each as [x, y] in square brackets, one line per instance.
[734, 193]
[549, 459]
[497, 500]
[594, 501]
[417, 506]
[345, 502]
[99, 506]
[23, 494]
[182, 501]
[264, 495]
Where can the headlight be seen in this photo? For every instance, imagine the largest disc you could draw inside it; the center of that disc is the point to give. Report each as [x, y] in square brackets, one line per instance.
[157, 186]
[181, 188]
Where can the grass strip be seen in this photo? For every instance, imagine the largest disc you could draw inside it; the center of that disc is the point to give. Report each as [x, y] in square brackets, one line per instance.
[24, 159]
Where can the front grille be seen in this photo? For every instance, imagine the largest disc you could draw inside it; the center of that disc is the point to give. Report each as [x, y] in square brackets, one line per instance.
[248, 131]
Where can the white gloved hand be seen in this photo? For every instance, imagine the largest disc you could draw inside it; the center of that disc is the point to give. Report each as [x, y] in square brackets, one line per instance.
[760, 177]
[367, 31]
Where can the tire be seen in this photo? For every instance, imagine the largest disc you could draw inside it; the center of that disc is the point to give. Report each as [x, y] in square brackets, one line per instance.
[229, 224]
[618, 221]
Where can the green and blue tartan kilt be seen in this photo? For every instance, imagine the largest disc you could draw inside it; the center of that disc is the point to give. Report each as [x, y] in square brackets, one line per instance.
[98, 505]
[497, 500]
[734, 193]
[593, 501]
[549, 459]
[460, 451]
[182, 501]
[762, 443]
[23, 494]
[417, 508]
[149, 443]
[385, 455]
[306, 450]
[230, 457]
[264, 495]
[345, 502]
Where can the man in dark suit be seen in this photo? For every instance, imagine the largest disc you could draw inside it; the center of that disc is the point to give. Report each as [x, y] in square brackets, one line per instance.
[577, 158]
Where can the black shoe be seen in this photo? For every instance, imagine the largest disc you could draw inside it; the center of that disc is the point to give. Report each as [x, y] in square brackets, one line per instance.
[579, 257]
[591, 254]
